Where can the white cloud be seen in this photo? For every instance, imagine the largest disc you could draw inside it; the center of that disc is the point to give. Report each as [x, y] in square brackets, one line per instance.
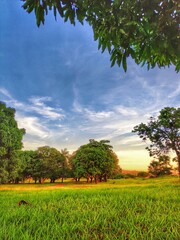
[33, 126]
[76, 107]
[175, 93]
[126, 111]
[39, 101]
[5, 92]
[97, 116]
[37, 105]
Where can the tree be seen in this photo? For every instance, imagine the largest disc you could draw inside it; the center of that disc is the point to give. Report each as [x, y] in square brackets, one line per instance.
[163, 133]
[29, 166]
[53, 163]
[148, 31]
[66, 164]
[94, 160]
[160, 167]
[10, 141]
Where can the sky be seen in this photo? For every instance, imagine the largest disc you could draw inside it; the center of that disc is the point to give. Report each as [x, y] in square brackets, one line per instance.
[65, 92]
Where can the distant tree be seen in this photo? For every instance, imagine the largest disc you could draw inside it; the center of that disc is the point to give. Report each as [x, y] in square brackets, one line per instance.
[163, 132]
[66, 164]
[36, 168]
[160, 167]
[94, 160]
[125, 28]
[10, 141]
[53, 163]
[28, 165]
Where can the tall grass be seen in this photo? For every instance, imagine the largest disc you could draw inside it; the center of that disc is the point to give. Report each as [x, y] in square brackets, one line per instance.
[125, 209]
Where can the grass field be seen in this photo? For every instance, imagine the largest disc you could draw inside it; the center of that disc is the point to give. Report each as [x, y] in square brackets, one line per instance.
[122, 209]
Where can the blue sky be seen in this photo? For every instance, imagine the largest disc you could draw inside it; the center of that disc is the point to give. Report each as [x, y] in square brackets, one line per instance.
[65, 92]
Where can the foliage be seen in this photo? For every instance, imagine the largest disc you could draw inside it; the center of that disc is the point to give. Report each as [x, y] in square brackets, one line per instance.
[143, 174]
[10, 141]
[160, 167]
[30, 165]
[163, 132]
[94, 160]
[148, 31]
[53, 163]
[129, 175]
[117, 176]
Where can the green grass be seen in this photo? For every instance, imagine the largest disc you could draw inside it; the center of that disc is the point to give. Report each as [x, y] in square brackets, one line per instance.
[122, 209]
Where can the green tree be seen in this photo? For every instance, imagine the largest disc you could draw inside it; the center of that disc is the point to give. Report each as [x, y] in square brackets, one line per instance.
[35, 167]
[10, 141]
[148, 31]
[28, 165]
[94, 160]
[66, 163]
[53, 163]
[160, 167]
[163, 133]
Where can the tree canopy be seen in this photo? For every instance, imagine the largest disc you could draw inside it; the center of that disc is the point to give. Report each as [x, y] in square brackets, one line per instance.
[160, 167]
[94, 160]
[53, 163]
[10, 141]
[163, 133]
[148, 31]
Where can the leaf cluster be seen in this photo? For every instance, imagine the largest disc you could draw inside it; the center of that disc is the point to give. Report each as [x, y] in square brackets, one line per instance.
[148, 31]
[160, 167]
[94, 158]
[10, 141]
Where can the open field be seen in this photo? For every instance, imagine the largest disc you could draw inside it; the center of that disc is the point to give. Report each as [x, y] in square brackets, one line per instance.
[134, 209]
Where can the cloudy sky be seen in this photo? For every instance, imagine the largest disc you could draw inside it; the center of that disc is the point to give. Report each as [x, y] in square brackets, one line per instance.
[65, 92]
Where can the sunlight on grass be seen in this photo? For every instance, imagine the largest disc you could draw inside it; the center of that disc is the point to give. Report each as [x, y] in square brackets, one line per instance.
[122, 209]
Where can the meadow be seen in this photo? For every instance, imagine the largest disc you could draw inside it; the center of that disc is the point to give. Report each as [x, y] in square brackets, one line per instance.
[127, 209]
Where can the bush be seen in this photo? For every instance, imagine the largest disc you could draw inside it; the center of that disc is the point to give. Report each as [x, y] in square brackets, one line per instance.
[118, 176]
[128, 175]
[142, 174]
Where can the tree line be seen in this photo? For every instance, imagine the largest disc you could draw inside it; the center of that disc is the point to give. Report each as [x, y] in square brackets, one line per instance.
[95, 161]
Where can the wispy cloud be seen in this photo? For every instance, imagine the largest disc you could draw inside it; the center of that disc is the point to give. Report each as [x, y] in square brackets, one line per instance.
[5, 92]
[126, 111]
[175, 93]
[41, 121]
[33, 126]
[38, 105]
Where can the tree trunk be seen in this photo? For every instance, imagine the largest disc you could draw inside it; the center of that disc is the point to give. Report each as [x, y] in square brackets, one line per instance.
[100, 178]
[96, 179]
[178, 156]
[105, 178]
[178, 159]
[16, 181]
